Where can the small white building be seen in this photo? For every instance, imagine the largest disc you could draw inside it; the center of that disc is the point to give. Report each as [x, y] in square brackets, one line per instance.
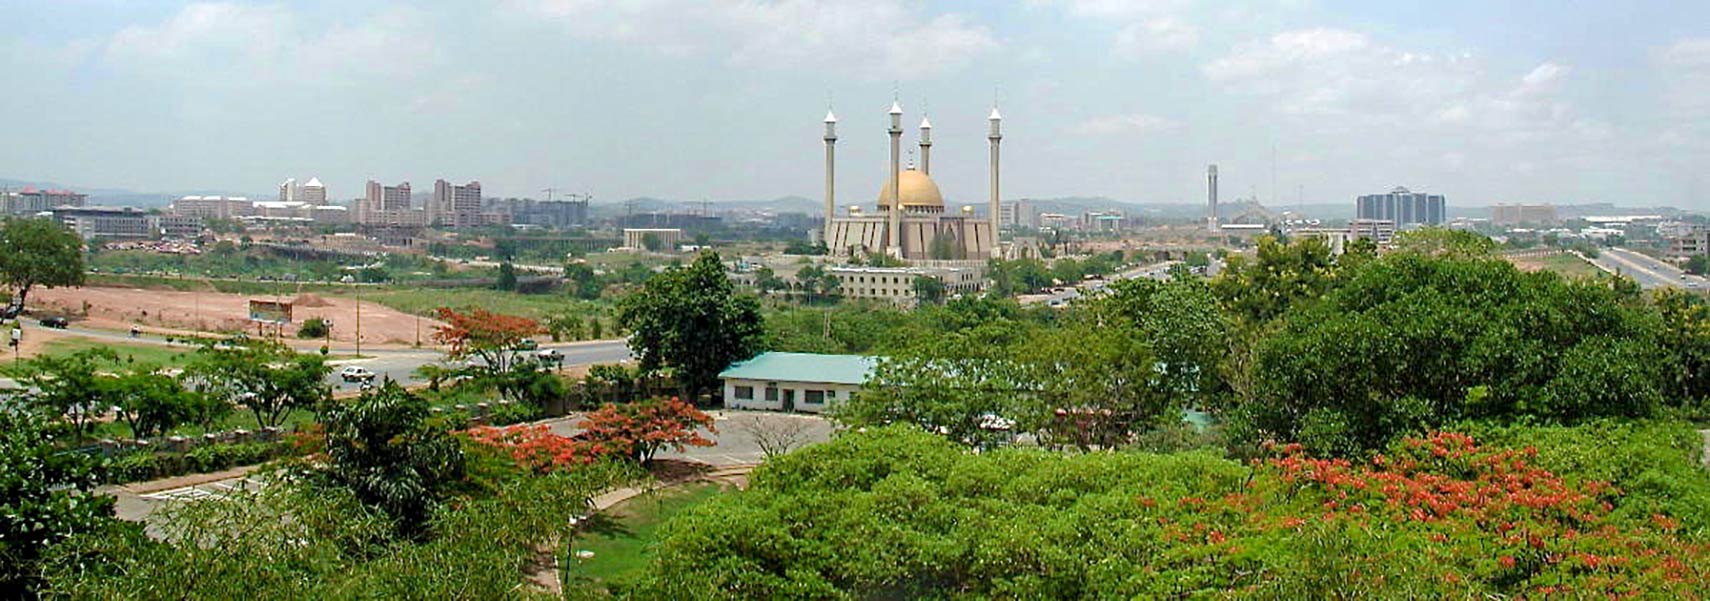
[804, 382]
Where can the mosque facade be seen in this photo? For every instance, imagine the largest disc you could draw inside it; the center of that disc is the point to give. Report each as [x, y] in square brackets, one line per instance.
[912, 222]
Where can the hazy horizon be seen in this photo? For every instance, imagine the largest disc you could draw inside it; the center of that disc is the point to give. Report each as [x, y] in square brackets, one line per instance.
[1522, 102]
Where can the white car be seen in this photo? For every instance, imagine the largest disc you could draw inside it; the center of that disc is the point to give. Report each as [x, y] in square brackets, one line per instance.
[356, 374]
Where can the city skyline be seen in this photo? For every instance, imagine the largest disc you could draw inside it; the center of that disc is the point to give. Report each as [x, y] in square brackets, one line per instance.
[1129, 101]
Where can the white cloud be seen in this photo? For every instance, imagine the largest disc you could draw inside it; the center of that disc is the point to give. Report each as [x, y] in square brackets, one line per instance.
[1158, 34]
[1136, 123]
[881, 38]
[219, 43]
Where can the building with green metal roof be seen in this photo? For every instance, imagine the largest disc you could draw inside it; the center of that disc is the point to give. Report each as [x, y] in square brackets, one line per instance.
[806, 382]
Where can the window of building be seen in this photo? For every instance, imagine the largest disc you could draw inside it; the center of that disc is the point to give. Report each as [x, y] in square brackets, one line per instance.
[772, 393]
[745, 393]
[813, 397]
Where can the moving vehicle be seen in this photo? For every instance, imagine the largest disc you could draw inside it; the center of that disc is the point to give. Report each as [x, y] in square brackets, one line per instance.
[527, 344]
[550, 355]
[57, 323]
[356, 374]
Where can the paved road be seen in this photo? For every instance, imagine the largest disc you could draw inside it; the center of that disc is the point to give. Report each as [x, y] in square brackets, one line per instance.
[1156, 271]
[400, 365]
[1647, 271]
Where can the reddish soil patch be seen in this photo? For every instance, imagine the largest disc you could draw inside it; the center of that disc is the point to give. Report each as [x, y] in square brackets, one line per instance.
[121, 308]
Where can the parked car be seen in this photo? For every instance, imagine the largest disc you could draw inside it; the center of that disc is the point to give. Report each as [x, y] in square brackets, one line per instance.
[356, 374]
[57, 323]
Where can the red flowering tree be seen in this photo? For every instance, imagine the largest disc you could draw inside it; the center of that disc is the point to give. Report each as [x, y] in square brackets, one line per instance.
[491, 337]
[536, 448]
[639, 430]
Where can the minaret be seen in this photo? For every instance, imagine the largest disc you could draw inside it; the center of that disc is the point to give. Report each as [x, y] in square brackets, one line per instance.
[925, 146]
[1211, 198]
[893, 234]
[830, 176]
[995, 136]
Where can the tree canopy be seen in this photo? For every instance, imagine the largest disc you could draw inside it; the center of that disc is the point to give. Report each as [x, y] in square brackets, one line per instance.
[690, 319]
[39, 252]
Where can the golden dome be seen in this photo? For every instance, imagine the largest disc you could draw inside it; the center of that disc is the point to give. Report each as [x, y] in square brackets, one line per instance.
[918, 190]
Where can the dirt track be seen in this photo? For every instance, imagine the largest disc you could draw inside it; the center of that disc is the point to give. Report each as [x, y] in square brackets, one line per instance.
[120, 308]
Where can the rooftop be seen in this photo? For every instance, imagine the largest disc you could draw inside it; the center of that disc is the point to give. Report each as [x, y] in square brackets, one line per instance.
[803, 367]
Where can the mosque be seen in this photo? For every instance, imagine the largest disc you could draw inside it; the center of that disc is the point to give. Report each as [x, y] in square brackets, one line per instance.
[912, 222]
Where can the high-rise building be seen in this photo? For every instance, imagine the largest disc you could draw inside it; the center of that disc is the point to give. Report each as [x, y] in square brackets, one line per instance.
[30, 200]
[313, 192]
[1018, 213]
[545, 213]
[213, 207]
[455, 206]
[386, 205]
[288, 190]
[1403, 207]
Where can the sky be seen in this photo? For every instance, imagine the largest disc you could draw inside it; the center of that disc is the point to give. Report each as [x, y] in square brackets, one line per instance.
[1311, 101]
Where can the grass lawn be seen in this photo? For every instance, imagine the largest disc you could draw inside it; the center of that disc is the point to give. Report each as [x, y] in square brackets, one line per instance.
[422, 301]
[1569, 265]
[164, 356]
[621, 536]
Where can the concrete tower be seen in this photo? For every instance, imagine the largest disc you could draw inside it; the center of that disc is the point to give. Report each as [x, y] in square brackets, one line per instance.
[1211, 198]
[830, 173]
[995, 136]
[925, 146]
[893, 234]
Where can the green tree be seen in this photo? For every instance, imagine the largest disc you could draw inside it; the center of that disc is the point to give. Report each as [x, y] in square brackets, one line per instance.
[46, 496]
[690, 319]
[1411, 342]
[152, 404]
[39, 252]
[928, 290]
[72, 387]
[1439, 241]
[507, 280]
[969, 385]
[314, 327]
[1280, 276]
[384, 448]
[266, 377]
[583, 282]
[1698, 265]
[651, 242]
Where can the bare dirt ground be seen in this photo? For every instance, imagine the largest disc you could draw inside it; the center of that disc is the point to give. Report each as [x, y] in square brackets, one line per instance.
[121, 308]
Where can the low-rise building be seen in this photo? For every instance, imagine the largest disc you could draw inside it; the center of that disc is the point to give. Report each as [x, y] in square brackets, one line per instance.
[176, 226]
[1690, 241]
[105, 222]
[1381, 231]
[896, 284]
[636, 238]
[805, 382]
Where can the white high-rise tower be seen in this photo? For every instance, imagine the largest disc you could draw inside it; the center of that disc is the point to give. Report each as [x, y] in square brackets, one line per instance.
[830, 173]
[1211, 223]
[893, 234]
[995, 136]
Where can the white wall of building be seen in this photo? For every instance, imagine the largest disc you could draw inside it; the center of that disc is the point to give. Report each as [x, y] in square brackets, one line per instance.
[774, 395]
